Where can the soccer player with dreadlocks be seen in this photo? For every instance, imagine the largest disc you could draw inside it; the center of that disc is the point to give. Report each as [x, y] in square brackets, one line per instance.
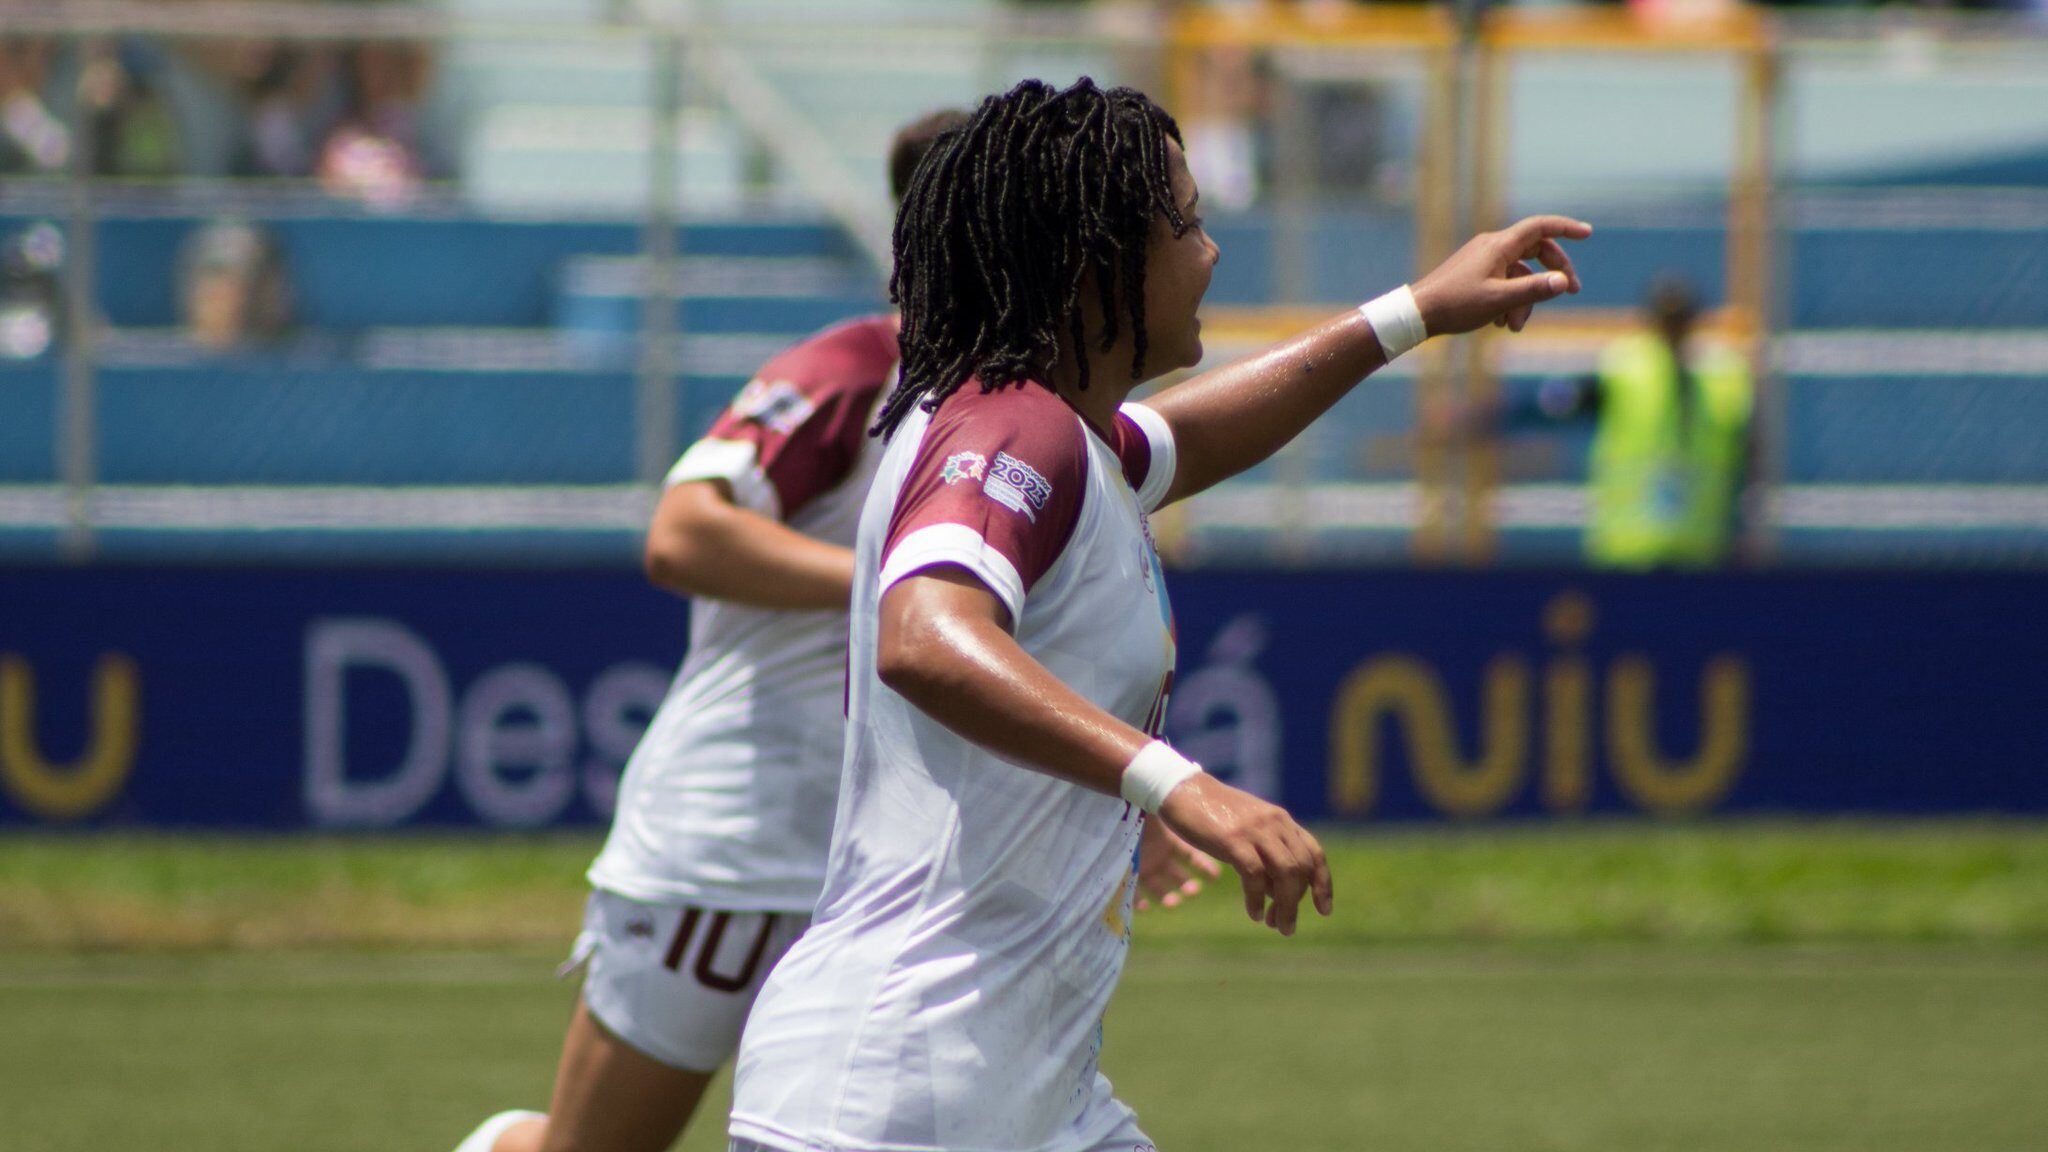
[1012, 644]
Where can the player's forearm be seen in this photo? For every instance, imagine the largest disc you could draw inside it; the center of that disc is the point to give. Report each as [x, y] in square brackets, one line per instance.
[1230, 418]
[729, 553]
[969, 674]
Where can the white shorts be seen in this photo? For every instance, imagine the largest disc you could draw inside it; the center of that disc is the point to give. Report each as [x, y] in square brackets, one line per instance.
[677, 982]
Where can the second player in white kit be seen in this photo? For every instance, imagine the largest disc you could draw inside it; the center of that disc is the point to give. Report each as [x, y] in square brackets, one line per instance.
[717, 848]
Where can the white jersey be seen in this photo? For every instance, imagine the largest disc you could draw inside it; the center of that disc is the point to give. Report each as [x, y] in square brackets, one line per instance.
[727, 801]
[976, 914]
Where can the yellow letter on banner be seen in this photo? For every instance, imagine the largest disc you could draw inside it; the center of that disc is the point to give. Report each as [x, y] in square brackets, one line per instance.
[1568, 706]
[68, 791]
[1677, 787]
[1409, 690]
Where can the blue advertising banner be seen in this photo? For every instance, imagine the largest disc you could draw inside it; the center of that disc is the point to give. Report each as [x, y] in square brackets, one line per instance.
[294, 699]
[305, 699]
[1467, 695]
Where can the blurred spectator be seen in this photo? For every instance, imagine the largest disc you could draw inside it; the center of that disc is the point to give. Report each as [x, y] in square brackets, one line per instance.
[1219, 127]
[286, 92]
[1671, 450]
[373, 153]
[31, 292]
[133, 130]
[1671, 444]
[32, 138]
[232, 288]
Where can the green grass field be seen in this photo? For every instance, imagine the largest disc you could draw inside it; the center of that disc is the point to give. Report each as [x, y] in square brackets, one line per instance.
[1623, 988]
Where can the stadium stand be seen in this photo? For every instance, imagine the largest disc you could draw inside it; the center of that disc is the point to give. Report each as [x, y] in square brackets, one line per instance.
[476, 347]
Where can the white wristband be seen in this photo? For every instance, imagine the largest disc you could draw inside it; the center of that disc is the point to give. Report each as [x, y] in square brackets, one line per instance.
[1396, 321]
[1155, 771]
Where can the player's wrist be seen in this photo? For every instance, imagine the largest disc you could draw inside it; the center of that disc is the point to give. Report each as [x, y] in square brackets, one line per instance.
[1154, 773]
[1396, 321]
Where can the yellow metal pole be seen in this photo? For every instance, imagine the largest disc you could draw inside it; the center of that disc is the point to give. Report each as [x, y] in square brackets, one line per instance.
[1749, 204]
[1750, 288]
[1482, 384]
[1436, 194]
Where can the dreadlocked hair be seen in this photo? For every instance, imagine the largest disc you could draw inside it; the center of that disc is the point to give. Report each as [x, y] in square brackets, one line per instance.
[1041, 188]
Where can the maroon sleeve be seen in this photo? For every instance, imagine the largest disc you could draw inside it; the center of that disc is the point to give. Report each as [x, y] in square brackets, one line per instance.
[1009, 469]
[806, 414]
[804, 444]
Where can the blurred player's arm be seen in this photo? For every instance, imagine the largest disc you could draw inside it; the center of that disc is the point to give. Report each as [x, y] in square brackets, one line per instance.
[703, 544]
[1169, 868]
[944, 645]
[1229, 419]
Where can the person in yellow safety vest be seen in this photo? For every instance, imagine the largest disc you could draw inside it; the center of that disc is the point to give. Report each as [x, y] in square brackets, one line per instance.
[1671, 444]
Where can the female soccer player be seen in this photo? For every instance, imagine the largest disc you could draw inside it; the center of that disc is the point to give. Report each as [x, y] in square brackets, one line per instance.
[1012, 644]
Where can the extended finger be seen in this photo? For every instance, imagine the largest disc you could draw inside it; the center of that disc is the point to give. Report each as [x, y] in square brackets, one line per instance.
[1251, 874]
[1315, 870]
[1525, 292]
[1319, 885]
[1523, 234]
[1289, 882]
[1310, 871]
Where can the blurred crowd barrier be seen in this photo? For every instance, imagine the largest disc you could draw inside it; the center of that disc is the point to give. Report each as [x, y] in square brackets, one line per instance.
[457, 280]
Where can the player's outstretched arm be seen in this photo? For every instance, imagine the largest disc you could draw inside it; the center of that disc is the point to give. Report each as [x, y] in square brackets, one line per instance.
[703, 544]
[944, 644]
[1231, 418]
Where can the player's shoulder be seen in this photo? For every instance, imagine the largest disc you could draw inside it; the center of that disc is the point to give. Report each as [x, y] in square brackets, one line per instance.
[1024, 416]
[1022, 444]
[845, 367]
[859, 354]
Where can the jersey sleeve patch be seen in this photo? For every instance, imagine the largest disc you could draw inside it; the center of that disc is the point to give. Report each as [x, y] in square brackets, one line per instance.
[1002, 474]
[1144, 444]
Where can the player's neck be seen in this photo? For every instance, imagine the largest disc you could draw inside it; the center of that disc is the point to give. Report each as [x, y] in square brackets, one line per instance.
[1109, 383]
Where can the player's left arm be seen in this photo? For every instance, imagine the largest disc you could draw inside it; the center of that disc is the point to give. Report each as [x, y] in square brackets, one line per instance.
[703, 544]
[1229, 419]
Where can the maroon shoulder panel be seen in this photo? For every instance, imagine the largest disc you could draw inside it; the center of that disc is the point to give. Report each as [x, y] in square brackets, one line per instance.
[1009, 465]
[806, 411]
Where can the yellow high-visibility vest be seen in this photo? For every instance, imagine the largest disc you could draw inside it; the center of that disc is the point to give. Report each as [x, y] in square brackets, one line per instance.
[1663, 487]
